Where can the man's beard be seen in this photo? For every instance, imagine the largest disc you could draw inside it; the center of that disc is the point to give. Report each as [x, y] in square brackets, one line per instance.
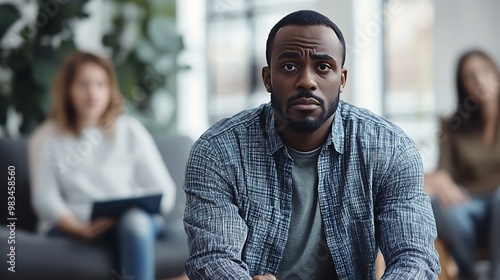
[306, 124]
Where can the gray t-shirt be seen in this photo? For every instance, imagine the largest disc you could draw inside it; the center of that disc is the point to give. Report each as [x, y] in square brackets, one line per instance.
[306, 254]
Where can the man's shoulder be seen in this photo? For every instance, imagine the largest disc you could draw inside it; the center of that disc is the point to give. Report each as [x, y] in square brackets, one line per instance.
[365, 120]
[230, 137]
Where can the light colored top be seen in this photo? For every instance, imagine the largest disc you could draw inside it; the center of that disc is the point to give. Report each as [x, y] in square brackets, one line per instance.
[68, 174]
[469, 162]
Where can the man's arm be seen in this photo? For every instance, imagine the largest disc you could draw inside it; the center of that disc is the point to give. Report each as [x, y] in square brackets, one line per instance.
[216, 232]
[404, 220]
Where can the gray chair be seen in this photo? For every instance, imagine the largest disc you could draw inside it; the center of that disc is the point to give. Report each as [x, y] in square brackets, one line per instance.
[39, 257]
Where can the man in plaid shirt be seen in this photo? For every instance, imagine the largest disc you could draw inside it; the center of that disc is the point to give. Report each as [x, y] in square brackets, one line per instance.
[307, 186]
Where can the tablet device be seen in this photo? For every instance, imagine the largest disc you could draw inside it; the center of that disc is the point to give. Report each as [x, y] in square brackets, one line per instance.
[114, 208]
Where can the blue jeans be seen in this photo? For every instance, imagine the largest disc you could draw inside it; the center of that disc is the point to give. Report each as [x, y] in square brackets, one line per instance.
[136, 233]
[470, 225]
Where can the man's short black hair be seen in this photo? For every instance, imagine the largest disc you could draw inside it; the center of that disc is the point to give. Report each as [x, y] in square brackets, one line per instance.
[304, 18]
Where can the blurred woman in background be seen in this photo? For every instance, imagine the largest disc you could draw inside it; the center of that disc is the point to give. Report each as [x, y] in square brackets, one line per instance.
[464, 188]
[88, 151]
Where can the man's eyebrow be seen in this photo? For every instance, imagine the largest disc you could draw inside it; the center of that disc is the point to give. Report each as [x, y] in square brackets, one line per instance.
[289, 55]
[322, 56]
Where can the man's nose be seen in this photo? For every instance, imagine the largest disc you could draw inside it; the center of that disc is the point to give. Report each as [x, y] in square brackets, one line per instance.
[307, 80]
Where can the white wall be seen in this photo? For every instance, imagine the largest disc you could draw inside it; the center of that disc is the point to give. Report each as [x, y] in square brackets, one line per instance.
[461, 25]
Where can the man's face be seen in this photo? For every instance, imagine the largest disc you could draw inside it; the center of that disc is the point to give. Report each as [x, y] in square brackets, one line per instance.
[305, 77]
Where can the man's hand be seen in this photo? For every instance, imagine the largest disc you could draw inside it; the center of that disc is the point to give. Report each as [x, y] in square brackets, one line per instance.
[264, 277]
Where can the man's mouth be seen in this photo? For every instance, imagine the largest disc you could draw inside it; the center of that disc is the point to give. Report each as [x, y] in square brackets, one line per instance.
[305, 104]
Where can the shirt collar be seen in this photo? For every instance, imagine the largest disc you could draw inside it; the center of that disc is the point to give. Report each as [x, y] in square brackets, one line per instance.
[274, 142]
[337, 135]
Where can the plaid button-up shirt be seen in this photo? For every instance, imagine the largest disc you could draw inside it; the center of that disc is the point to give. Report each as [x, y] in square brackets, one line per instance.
[370, 192]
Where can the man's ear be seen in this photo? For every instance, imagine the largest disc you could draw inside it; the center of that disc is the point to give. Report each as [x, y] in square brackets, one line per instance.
[266, 78]
[343, 79]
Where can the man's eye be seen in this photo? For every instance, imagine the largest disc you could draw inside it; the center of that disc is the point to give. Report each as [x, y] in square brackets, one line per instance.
[289, 67]
[324, 67]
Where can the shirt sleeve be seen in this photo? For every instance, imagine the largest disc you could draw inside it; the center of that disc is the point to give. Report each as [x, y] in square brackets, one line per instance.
[216, 232]
[405, 223]
[150, 170]
[46, 198]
